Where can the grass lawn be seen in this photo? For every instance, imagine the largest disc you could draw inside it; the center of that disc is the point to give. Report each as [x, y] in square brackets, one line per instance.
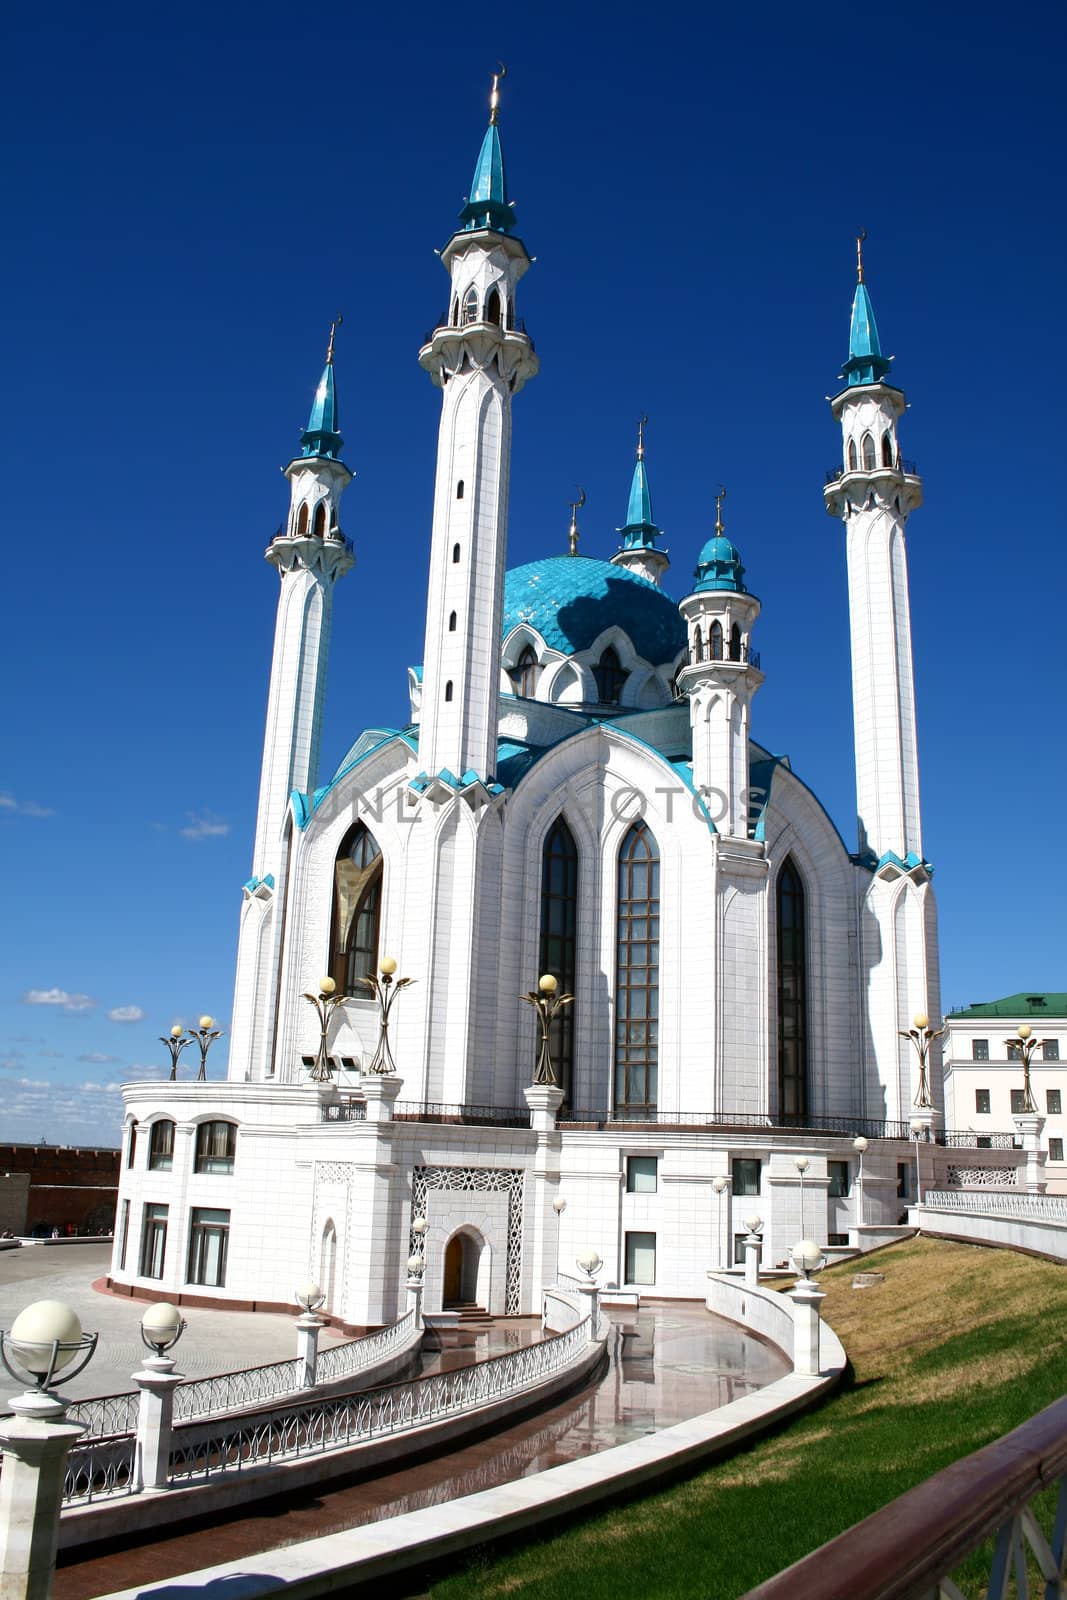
[957, 1346]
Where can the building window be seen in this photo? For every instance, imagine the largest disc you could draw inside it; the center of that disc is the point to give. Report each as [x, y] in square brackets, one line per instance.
[153, 1241]
[559, 935]
[853, 458]
[1055, 1149]
[216, 1144]
[161, 1146]
[1018, 1102]
[792, 996]
[837, 1238]
[455, 555]
[318, 525]
[357, 909]
[641, 1258]
[642, 1174]
[1015, 1050]
[124, 1234]
[524, 674]
[452, 620]
[887, 450]
[470, 306]
[448, 691]
[837, 1171]
[979, 1049]
[984, 1141]
[903, 1180]
[637, 972]
[715, 641]
[869, 458]
[1050, 1049]
[739, 1249]
[492, 308]
[981, 1102]
[735, 643]
[459, 489]
[131, 1147]
[1053, 1104]
[610, 677]
[745, 1175]
[209, 1236]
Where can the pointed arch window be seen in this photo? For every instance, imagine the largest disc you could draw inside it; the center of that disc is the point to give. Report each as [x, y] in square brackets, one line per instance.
[524, 673]
[792, 996]
[470, 306]
[637, 973]
[735, 643]
[452, 620]
[715, 641]
[302, 521]
[559, 934]
[870, 460]
[853, 457]
[698, 645]
[448, 692]
[357, 909]
[492, 307]
[610, 678]
[318, 524]
[887, 450]
[459, 489]
[455, 555]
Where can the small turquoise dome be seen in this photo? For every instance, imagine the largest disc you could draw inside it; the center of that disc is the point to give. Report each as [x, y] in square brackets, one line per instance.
[570, 600]
[719, 567]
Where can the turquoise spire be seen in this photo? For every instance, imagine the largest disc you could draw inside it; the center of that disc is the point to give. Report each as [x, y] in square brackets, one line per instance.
[639, 531]
[719, 565]
[320, 437]
[866, 363]
[487, 205]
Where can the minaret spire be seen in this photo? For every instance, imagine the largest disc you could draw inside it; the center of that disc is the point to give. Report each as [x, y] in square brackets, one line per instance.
[866, 363]
[487, 204]
[572, 532]
[639, 553]
[321, 436]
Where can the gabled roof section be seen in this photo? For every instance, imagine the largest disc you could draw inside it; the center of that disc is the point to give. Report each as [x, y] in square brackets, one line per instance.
[1051, 1005]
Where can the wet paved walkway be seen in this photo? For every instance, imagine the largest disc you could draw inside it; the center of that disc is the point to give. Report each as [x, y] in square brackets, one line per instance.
[668, 1363]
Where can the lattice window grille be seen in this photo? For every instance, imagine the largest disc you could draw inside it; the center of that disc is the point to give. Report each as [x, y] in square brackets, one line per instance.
[472, 1180]
[334, 1172]
[983, 1177]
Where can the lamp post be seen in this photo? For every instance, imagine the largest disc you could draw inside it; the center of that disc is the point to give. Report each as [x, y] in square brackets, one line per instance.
[753, 1245]
[325, 1002]
[720, 1186]
[175, 1042]
[1026, 1044]
[205, 1037]
[918, 1129]
[385, 987]
[591, 1263]
[559, 1206]
[161, 1327]
[922, 1037]
[807, 1297]
[802, 1163]
[860, 1146]
[547, 1004]
[309, 1296]
[45, 1339]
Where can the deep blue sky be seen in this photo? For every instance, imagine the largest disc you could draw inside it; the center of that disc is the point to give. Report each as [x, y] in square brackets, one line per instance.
[193, 192]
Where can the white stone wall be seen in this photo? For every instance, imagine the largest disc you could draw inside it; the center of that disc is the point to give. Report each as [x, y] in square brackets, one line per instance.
[998, 1076]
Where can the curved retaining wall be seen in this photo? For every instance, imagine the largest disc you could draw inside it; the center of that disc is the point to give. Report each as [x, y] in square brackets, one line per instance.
[362, 1555]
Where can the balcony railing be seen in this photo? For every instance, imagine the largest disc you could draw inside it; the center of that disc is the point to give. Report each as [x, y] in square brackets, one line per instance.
[843, 1126]
[518, 325]
[742, 653]
[464, 1115]
[908, 468]
[999, 1203]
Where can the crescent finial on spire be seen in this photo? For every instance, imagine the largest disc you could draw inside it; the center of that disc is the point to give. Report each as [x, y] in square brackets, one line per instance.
[494, 94]
[719, 498]
[334, 325]
[860, 237]
[576, 506]
[642, 424]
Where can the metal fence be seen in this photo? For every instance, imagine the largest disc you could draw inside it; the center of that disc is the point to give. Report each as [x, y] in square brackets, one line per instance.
[465, 1115]
[724, 1121]
[999, 1203]
[100, 1470]
[314, 1426]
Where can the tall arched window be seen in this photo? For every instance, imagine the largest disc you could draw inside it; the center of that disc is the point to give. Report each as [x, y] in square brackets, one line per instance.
[524, 673]
[698, 645]
[869, 458]
[492, 307]
[610, 677]
[853, 458]
[302, 521]
[735, 643]
[357, 910]
[715, 641]
[452, 620]
[318, 525]
[455, 555]
[470, 305]
[887, 450]
[448, 692]
[559, 932]
[792, 996]
[459, 489]
[637, 973]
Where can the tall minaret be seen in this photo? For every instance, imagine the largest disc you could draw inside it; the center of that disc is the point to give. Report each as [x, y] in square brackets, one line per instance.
[310, 556]
[639, 553]
[720, 677]
[479, 359]
[873, 494]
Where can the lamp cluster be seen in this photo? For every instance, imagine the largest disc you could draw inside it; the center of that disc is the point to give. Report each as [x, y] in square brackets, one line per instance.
[177, 1040]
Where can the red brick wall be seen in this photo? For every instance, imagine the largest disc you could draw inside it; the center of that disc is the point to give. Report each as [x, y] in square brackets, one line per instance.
[70, 1189]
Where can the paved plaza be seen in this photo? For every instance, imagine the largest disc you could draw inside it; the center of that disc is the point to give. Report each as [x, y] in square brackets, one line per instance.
[214, 1341]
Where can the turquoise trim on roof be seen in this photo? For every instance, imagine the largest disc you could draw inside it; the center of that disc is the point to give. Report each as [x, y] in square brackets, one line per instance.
[639, 531]
[866, 363]
[571, 600]
[719, 567]
[487, 205]
[321, 436]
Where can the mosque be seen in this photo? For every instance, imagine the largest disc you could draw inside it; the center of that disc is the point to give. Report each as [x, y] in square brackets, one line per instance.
[579, 793]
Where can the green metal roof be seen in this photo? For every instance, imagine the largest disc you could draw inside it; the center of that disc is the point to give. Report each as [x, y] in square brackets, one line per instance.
[1017, 1005]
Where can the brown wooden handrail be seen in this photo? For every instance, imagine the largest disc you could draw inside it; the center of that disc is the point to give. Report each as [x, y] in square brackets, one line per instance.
[902, 1551]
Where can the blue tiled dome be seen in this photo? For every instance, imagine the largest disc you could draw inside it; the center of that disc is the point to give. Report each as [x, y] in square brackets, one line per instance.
[570, 600]
[719, 566]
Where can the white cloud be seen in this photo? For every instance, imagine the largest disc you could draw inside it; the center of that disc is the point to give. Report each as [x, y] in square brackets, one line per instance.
[125, 1014]
[73, 1003]
[51, 1055]
[97, 1058]
[24, 808]
[204, 825]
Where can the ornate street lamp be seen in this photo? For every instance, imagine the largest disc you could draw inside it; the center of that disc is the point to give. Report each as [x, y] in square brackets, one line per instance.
[161, 1327]
[802, 1163]
[720, 1184]
[205, 1037]
[547, 1003]
[45, 1339]
[1026, 1044]
[385, 988]
[175, 1042]
[922, 1037]
[590, 1262]
[325, 1002]
[807, 1258]
[859, 1144]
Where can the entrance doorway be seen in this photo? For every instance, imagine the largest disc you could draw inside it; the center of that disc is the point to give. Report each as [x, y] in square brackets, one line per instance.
[464, 1256]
